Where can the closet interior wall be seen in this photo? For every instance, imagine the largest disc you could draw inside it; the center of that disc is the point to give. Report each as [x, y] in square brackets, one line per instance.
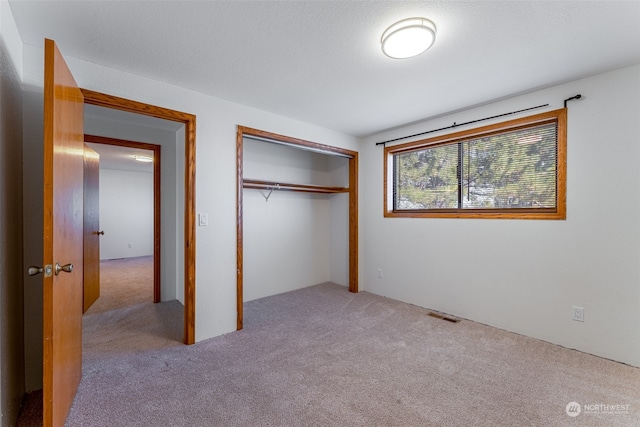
[293, 239]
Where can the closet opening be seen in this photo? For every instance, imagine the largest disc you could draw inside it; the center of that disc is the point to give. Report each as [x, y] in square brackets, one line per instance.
[293, 241]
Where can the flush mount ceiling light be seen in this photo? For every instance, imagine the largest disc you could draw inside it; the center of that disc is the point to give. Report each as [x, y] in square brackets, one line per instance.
[407, 38]
[145, 159]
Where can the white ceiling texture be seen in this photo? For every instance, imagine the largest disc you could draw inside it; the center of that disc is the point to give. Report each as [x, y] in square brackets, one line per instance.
[320, 61]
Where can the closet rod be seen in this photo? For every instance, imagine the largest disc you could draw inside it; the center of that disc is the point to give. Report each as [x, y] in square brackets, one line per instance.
[270, 185]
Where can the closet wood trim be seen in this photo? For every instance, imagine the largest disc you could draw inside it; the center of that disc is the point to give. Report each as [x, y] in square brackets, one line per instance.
[353, 223]
[241, 183]
[249, 132]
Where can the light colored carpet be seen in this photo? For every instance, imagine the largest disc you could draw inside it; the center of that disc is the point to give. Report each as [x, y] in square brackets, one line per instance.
[124, 320]
[124, 282]
[322, 356]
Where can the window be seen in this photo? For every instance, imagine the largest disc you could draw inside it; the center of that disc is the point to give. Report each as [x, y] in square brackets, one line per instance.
[515, 169]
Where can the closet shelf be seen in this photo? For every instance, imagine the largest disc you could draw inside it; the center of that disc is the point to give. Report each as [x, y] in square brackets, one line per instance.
[270, 185]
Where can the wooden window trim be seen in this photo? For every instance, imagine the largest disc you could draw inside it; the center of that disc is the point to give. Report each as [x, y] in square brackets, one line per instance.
[558, 213]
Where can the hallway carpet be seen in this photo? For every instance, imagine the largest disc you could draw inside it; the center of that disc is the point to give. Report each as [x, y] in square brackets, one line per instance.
[124, 282]
[124, 320]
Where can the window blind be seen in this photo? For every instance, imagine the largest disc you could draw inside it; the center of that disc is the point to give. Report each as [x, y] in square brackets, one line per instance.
[510, 169]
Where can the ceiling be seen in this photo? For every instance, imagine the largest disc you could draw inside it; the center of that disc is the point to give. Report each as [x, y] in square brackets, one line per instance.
[122, 158]
[320, 61]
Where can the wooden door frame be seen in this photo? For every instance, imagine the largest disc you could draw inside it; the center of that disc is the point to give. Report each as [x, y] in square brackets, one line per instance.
[189, 121]
[156, 198]
[243, 131]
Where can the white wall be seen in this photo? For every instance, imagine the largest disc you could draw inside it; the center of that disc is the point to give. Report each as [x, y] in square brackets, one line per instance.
[339, 231]
[287, 241]
[10, 38]
[215, 178]
[126, 214]
[525, 275]
[11, 265]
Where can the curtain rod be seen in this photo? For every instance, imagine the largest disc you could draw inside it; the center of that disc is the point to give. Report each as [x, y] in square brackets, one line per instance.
[454, 125]
[475, 121]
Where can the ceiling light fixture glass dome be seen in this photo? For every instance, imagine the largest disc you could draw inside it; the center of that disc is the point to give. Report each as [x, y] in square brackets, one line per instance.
[408, 38]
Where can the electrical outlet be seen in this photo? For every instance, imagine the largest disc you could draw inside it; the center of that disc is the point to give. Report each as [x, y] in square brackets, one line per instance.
[130, 245]
[578, 313]
[380, 275]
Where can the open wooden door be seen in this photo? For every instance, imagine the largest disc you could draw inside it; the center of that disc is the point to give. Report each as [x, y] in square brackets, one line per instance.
[91, 285]
[62, 284]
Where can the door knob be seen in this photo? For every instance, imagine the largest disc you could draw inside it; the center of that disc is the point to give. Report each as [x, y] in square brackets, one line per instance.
[66, 268]
[34, 270]
[99, 233]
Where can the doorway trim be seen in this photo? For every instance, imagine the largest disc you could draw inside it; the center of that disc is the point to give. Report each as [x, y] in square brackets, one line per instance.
[156, 198]
[243, 131]
[189, 120]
